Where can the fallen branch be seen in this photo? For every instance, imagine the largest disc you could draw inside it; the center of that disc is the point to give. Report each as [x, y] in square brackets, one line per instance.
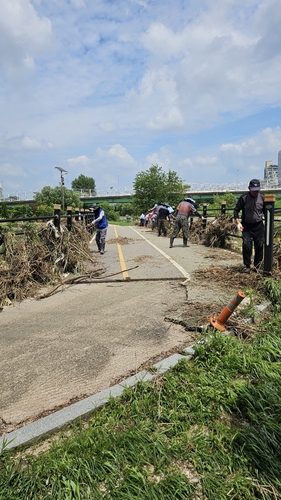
[75, 279]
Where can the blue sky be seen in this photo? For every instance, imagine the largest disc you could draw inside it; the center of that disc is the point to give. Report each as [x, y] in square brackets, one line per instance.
[106, 88]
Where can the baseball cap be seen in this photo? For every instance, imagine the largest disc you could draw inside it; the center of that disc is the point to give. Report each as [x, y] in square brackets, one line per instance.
[94, 207]
[254, 185]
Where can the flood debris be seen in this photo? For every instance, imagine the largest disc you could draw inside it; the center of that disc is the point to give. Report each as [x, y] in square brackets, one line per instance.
[40, 256]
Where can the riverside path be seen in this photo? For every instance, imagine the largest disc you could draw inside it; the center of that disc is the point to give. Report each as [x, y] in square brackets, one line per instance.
[84, 338]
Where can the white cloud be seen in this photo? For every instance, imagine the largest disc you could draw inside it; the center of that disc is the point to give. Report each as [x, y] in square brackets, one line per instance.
[210, 66]
[163, 42]
[24, 143]
[78, 3]
[162, 159]
[167, 119]
[266, 141]
[188, 161]
[200, 160]
[135, 82]
[206, 165]
[121, 153]
[33, 144]
[143, 3]
[107, 126]
[23, 34]
[79, 160]
[8, 169]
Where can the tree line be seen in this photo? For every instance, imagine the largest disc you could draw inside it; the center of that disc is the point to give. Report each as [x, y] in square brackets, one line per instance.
[150, 186]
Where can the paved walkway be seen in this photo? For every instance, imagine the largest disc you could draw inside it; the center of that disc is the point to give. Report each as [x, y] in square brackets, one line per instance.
[87, 338]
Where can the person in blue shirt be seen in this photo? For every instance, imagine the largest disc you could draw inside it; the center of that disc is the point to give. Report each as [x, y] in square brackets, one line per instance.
[100, 221]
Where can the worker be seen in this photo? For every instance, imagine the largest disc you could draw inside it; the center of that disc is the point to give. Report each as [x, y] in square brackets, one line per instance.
[184, 210]
[162, 219]
[101, 224]
[251, 204]
[142, 220]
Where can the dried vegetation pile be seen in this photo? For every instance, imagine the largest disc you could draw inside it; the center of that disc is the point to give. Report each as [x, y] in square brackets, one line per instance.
[217, 233]
[39, 257]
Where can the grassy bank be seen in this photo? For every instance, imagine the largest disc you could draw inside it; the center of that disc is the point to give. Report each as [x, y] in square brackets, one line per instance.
[208, 429]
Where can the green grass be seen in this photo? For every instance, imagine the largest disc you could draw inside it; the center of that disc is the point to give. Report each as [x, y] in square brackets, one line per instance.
[120, 222]
[209, 429]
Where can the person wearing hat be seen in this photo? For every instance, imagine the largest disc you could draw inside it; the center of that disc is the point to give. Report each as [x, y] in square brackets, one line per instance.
[252, 208]
[184, 210]
[100, 221]
[163, 217]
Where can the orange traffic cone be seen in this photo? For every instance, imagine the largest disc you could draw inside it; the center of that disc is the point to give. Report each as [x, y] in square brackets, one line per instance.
[226, 312]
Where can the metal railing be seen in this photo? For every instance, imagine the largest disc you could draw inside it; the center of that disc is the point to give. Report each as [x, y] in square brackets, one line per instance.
[85, 216]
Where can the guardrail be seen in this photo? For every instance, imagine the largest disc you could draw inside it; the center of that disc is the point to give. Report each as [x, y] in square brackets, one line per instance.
[85, 216]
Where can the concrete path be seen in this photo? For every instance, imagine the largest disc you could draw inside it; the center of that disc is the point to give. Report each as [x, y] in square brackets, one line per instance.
[86, 338]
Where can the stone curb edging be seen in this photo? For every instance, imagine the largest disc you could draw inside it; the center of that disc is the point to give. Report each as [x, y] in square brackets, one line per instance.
[55, 421]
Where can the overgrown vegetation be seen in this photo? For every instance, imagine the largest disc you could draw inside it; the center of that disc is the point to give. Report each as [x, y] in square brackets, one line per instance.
[209, 429]
[38, 255]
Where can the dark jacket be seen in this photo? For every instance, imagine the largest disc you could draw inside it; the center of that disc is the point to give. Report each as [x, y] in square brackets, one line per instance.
[163, 212]
[252, 208]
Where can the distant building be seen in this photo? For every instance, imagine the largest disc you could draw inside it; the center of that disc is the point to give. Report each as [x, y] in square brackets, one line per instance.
[271, 172]
[279, 168]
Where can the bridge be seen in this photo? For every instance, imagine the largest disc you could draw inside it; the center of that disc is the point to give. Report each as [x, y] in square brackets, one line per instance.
[201, 192]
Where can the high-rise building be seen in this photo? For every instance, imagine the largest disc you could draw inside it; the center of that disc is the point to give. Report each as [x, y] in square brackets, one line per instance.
[271, 172]
[279, 168]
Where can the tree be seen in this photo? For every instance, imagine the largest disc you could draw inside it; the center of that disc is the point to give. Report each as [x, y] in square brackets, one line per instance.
[228, 197]
[21, 211]
[124, 209]
[50, 196]
[110, 211]
[83, 182]
[4, 211]
[154, 185]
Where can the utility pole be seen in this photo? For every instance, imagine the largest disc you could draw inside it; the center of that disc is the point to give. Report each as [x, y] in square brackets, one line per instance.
[62, 184]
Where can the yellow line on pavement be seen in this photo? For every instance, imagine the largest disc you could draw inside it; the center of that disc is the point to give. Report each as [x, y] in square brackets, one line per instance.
[121, 257]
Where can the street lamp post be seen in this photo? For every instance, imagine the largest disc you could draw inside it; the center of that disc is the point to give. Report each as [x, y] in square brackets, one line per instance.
[62, 184]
